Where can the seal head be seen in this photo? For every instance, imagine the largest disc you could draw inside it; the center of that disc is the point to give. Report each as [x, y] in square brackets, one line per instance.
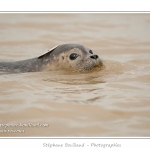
[71, 57]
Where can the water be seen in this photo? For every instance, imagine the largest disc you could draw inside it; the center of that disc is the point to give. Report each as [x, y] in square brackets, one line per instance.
[112, 102]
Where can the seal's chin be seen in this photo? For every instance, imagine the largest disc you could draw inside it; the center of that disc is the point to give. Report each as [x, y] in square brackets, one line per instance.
[90, 65]
[98, 63]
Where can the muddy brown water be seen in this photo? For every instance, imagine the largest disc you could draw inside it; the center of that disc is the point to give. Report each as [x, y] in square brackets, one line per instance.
[111, 102]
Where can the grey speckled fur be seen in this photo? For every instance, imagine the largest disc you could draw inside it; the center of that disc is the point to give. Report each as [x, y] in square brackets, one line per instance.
[22, 66]
[41, 62]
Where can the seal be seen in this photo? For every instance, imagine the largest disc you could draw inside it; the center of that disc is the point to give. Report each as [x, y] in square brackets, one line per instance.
[73, 57]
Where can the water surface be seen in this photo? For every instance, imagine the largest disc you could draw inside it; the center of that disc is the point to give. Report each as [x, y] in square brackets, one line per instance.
[111, 102]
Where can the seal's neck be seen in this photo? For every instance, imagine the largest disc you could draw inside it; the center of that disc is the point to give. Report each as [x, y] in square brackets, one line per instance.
[30, 65]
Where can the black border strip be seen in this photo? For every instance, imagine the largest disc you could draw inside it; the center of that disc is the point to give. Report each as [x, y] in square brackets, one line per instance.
[78, 11]
[72, 138]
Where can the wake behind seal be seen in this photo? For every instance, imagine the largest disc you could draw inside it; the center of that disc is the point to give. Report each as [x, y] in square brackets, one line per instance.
[71, 57]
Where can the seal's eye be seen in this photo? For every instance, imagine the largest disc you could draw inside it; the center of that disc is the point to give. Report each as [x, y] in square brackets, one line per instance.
[73, 56]
[90, 51]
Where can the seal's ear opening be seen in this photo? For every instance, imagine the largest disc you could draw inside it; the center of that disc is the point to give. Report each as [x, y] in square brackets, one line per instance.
[47, 53]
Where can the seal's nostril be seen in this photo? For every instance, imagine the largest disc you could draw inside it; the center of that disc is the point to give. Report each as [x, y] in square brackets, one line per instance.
[94, 56]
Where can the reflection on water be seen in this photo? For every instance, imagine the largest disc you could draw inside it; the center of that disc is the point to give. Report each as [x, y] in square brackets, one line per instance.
[113, 101]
